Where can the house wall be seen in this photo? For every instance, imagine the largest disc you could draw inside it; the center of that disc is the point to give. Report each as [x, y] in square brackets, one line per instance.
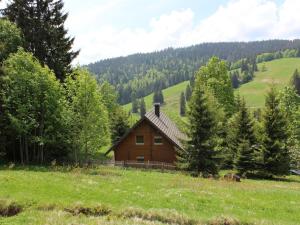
[128, 150]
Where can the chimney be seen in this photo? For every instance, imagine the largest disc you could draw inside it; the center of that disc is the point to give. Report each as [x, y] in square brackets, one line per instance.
[157, 109]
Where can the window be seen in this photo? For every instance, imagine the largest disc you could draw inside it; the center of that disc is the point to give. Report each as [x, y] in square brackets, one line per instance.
[158, 140]
[140, 158]
[139, 140]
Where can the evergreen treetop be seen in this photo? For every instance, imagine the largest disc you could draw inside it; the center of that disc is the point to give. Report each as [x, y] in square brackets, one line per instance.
[42, 24]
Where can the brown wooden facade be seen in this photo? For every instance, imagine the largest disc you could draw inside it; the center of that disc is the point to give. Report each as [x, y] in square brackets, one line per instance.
[154, 138]
[129, 149]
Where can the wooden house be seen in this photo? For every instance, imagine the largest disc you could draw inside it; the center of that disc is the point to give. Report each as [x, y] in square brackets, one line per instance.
[153, 138]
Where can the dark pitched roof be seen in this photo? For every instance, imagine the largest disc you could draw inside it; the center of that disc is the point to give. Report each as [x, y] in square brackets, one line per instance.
[163, 124]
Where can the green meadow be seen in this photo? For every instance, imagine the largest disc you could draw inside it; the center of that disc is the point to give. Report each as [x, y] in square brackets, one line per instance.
[278, 72]
[144, 197]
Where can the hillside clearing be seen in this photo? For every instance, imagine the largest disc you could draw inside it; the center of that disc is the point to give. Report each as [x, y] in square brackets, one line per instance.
[45, 193]
[278, 73]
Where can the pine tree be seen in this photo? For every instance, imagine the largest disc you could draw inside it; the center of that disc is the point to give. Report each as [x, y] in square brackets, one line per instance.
[155, 97]
[42, 24]
[161, 97]
[245, 139]
[276, 157]
[199, 155]
[254, 66]
[182, 104]
[188, 92]
[119, 124]
[245, 159]
[158, 97]
[235, 80]
[142, 107]
[135, 106]
[245, 124]
[296, 81]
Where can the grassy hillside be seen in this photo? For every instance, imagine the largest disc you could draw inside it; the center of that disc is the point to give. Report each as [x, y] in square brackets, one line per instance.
[171, 106]
[49, 196]
[278, 72]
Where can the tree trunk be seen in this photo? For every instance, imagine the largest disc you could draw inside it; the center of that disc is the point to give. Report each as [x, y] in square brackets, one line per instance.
[21, 151]
[26, 149]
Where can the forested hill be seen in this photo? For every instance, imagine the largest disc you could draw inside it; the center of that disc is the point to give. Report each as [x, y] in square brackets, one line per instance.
[138, 75]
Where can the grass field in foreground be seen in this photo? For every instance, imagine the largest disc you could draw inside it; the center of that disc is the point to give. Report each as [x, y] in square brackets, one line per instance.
[45, 193]
[279, 72]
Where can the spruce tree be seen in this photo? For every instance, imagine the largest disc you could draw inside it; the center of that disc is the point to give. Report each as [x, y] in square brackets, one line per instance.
[296, 81]
[245, 140]
[142, 107]
[235, 80]
[182, 104]
[188, 92]
[135, 106]
[161, 97]
[42, 24]
[275, 155]
[119, 124]
[158, 97]
[200, 156]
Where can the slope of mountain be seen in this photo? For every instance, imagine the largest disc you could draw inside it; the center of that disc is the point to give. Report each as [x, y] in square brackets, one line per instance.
[278, 72]
[140, 74]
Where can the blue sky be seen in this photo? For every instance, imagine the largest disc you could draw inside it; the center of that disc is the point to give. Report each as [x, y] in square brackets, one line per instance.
[111, 28]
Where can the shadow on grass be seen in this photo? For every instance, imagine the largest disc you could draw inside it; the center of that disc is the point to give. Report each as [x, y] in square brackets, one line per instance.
[290, 178]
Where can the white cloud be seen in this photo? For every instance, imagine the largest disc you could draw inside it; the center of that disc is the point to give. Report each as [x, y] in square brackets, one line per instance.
[238, 20]
[108, 41]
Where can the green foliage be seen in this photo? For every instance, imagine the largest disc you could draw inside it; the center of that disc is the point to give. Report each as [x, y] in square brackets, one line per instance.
[188, 92]
[245, 141]
[182, 105]
[158, 97]
[142, 107]
[215, 77]
[200, 155]
[33, 104]
[276, 157]
[89, 116]
[10, 39]
[145, 73]
[287, 53]
[290, 103]
[42, 24]
[235, 82]
[118, 118]
[295, 81]
[135, 106]
[245, 161]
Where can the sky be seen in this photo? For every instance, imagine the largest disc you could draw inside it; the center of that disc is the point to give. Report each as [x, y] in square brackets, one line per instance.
[110, 28]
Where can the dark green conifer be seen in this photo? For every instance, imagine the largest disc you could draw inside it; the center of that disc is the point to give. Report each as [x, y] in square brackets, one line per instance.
[188, 92]
[42, 24]
[245, 140]
[276, 157]
[182, 104]
[296, 81]
[200, 156]
[142, 107]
